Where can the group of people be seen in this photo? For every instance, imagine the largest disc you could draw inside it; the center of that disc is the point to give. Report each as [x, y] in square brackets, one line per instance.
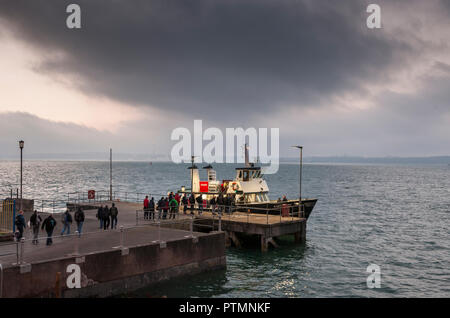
[166, 206]
[48, 224]
[171, 205]
[107, 217]
[282, 200]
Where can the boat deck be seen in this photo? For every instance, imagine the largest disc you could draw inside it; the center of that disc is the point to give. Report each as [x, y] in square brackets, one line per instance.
[254, 218]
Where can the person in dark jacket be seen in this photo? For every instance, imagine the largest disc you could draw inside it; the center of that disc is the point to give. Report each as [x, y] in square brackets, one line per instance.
[220, 203]
[100, 216]
[161, 204]
[114, 212]
[151, 208]
[106, 217]
[212, 204]
[79, 218]
[185, 202]
[67, 220]
[20, 224]
[35, 222]
[192, 203]
[200, 204]
[49, 224]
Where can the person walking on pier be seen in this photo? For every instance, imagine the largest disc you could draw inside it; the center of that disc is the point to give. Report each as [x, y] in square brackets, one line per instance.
[100, 216]
[200, 204]
[79, 218]
[173, 208]
[151, 208]
[185, 202]
[220, 203]
[212, 203]
[160, 208]
[192, 203]
[114, 213]
[146, 202]
[106, 217]
[165, 208]
[67, 220]
[20, 224]
[49, 224]
[35, 222]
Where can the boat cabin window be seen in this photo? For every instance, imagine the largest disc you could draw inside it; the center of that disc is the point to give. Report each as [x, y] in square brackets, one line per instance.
[240, 174]
[246, 176]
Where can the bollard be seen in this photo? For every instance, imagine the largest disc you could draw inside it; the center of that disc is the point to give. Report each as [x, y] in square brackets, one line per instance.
[267, 216]
[121, 236]
[220, 223]
[77, 245]
[22, 244]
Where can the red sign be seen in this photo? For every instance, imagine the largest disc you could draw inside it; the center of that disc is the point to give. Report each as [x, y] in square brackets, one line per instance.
[91, 194]
[203, 186]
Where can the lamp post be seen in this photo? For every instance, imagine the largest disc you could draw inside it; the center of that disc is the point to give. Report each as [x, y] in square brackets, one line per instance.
[192, 174]
[300, 181]
[21, 144]
[110, 175]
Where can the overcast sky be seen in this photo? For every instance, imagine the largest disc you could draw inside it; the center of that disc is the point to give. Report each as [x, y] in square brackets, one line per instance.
[138, 69]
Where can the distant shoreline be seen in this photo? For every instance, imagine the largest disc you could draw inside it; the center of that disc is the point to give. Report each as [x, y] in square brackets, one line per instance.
[433, 160]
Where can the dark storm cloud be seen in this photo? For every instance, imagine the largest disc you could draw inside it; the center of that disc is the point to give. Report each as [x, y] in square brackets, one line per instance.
[209, 57]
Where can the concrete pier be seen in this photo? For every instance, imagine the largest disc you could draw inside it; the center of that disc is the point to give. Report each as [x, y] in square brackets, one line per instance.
[267, 227]
[110, 263]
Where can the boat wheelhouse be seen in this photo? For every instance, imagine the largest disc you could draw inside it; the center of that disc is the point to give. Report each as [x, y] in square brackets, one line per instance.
[247, 190]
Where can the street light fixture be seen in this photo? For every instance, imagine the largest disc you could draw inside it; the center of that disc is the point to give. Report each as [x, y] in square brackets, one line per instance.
[300, 181]
[21, 144]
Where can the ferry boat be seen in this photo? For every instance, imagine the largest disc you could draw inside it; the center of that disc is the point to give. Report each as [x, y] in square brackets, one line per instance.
[248, 191]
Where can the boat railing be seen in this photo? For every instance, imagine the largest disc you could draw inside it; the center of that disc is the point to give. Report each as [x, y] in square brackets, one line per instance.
[105, 196]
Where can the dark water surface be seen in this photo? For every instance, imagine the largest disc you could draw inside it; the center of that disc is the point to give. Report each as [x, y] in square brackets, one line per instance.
[395, 216]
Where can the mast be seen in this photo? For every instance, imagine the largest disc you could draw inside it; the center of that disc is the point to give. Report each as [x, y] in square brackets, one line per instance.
[247, 163]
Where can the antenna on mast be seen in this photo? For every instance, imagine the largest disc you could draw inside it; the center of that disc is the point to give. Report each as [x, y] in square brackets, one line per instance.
[247, 162]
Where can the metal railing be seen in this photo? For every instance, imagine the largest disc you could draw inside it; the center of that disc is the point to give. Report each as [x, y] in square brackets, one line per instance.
[104, 196]
[75, 239]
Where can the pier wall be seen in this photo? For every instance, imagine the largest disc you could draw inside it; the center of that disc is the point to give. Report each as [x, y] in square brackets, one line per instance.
[117, 271]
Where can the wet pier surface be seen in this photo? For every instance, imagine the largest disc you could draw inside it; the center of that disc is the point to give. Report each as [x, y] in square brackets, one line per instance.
[143, 231]
[93, 238]
[112, 261]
